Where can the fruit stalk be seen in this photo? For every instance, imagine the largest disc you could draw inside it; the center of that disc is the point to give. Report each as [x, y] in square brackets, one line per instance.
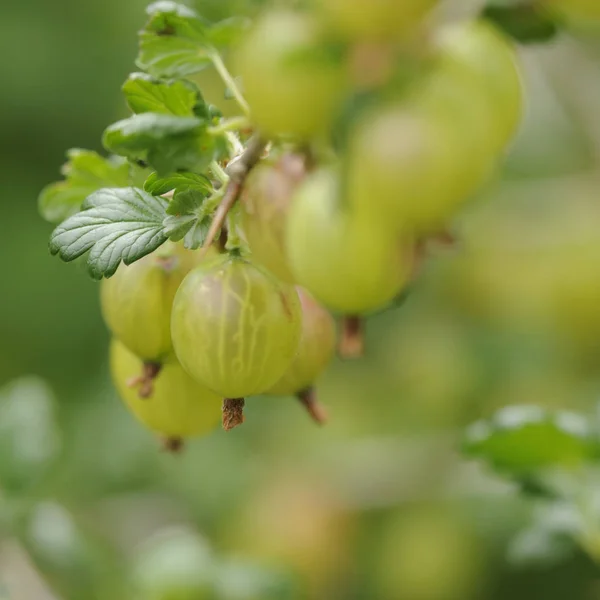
[233, 412]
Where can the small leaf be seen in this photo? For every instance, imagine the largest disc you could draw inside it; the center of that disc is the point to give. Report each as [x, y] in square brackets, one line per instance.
[228, 32]
[187, 220]
[179, 182]
[115, 224]
[167, 142]
[520, 439]
[85, 172]
[144, 93]
[526, 23]
[132, 137]
[174, 42]
[166, 6]
[185, 203]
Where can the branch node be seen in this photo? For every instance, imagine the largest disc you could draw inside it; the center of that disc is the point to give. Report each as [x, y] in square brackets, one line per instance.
[237, 170]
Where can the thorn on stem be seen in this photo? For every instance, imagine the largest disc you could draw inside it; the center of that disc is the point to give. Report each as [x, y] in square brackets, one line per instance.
[233, 413]
[352, 343]
[145, 381]
[308, 399]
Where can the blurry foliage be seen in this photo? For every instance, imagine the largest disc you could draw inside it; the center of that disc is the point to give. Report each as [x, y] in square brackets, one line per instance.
[510, 318]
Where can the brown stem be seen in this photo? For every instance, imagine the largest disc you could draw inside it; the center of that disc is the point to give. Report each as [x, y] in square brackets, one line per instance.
[238, 171]
[145, 381]
[352, 343]
[308, 399]
[221, 241]
[173, 444]
[233, 412]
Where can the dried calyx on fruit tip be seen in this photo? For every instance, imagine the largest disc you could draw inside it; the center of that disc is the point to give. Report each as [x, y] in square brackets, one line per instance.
[233, 412]
[308, 399]
[145, 381]
[351, 343]
[173, 445]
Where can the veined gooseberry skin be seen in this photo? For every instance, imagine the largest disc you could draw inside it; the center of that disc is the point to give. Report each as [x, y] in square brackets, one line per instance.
[265, 202]
[375, 19]
[292, 85]
[179, 407]
[315, 350]
[235, 327]
[351, 264]
[136, 301]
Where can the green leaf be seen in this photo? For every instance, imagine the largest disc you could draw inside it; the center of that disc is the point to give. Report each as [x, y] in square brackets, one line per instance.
[29, 436]
[85, 172]
[228, 32]
[115, 224]
[169, 7]
[521, 439]
[144, 93]
[167, 142]
[179, 182]
[174, 42]
[187, 219]
[550, 539]
[526, 23]
[134, 136]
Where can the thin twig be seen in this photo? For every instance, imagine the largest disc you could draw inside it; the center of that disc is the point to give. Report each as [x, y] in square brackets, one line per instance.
[237, 170]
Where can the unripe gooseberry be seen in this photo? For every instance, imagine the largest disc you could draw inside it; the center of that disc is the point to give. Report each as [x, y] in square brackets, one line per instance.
[265, 202]
[179, 406]
[292, 84]
[235, 327]
[352, 265]
[315, 350]
[136, 302]
[375, 19]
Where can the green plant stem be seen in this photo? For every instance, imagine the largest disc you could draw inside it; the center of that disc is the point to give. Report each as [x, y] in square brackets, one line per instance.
[233, 124]
[228, 80]
[219, 172]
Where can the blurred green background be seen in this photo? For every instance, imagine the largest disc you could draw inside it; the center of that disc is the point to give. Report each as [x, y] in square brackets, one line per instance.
[378, 504]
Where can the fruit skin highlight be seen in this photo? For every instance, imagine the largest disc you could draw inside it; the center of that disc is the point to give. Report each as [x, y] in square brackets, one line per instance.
[136, 302]
[315, 351]
[179, 407]
[235, 327]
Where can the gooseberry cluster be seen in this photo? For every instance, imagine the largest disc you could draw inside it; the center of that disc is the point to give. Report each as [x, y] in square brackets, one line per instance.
[225, 241]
